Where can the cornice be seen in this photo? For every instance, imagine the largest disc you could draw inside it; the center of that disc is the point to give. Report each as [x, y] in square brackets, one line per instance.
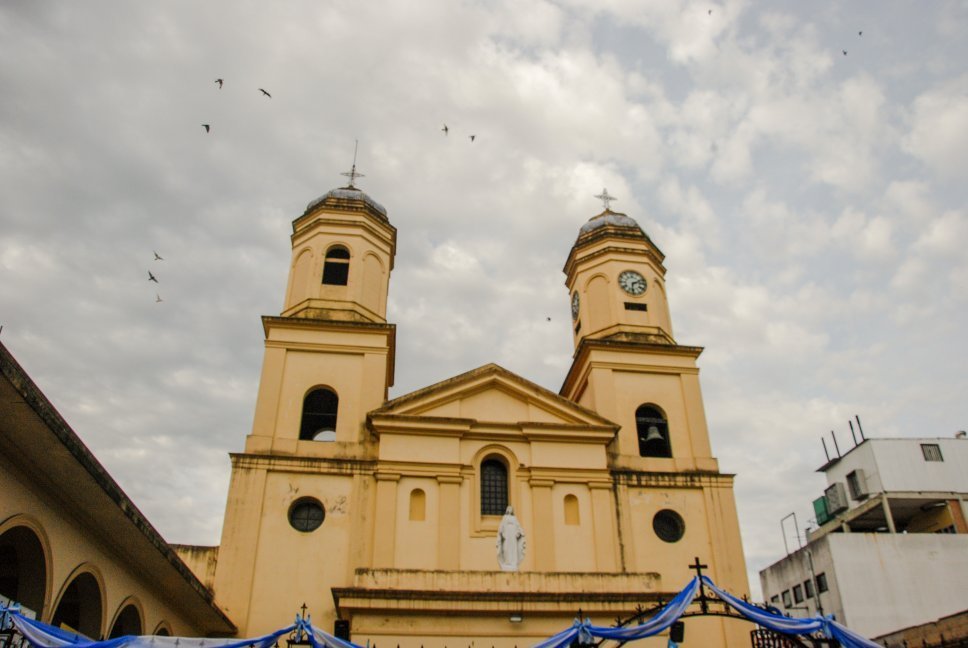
[572, 262]
[291, 463]
[580, 366]
[282, 321]
[695, 479]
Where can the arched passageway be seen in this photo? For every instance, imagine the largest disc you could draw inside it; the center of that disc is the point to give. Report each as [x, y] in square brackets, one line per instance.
[127, 623]
[23, 568]
[80, 607]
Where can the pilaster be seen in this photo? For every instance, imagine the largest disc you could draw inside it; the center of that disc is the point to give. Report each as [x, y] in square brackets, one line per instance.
[448, 522]
[385, 520]
[544, 525]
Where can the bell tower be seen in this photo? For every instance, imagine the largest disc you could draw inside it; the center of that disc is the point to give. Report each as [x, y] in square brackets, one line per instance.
[616, 281]
[628, 367]
[329, 360]
[342, 254]
[332, 337]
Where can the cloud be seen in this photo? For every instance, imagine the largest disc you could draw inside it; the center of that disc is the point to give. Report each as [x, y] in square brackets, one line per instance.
[938, 134]
[806, 202]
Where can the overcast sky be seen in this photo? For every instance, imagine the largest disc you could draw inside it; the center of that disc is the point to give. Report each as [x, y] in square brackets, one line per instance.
[811, 205]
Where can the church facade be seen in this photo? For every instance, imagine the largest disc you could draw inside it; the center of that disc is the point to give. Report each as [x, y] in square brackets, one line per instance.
[383, 516]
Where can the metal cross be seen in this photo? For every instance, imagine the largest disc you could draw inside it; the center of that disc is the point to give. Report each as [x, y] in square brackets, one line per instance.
[703, 599]
[352, 174]
[605, 198]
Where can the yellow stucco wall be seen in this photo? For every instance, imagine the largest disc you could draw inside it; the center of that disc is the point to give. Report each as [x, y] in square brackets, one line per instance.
[421, 569]
[72, 548]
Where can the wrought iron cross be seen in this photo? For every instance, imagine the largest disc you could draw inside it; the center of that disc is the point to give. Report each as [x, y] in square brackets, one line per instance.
[605, 198]
[703, 600]
[352, 173]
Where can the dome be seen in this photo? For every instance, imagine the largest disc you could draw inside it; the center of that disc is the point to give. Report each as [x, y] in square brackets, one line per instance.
[347, 193]
[608, 217]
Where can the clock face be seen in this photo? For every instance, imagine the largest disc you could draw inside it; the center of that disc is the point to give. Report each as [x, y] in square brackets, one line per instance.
[574, 305]
[632, 282]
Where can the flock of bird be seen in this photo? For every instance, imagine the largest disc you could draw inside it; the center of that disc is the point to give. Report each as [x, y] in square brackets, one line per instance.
[445, 130]
[221, 82]
[208, 129]
[860, 33]
[152, 277]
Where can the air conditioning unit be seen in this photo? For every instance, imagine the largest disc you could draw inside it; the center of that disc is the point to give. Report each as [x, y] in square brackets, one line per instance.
[820, 510]
[836, 498]
[857, 483]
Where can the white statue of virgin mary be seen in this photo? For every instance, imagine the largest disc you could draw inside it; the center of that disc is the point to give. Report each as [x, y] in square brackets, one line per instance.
[510, 542]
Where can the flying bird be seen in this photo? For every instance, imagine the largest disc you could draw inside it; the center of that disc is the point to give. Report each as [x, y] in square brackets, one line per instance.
[845, 52]
[445, 129]
[158, 298]
[710, 12]
[265, 93]
[157, 256]
[860, 33]
[472, 137]
[548, 318]
[207, 127]
[219, 82]
[151, 277]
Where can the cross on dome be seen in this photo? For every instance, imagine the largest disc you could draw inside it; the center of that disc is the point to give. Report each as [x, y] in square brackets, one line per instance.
[605, 198]
[352, 174]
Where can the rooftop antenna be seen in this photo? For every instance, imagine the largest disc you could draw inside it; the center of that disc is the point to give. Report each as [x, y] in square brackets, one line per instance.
[836, 447]
[824, 442]
[352, 174]
[796, 528]
[860, 429]
[852, 435]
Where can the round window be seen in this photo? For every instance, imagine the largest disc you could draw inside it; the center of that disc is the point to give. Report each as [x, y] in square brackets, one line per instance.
[306, 514]
[668, 525]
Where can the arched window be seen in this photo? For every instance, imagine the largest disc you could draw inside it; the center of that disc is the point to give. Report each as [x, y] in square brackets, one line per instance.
[319, 415]
[494, 487]
[418, 505]
[571, 511]
[336, 270]
[653, 432]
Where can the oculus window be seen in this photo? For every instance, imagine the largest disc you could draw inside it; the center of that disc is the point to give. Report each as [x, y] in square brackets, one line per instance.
[306, 514]
[669, 526]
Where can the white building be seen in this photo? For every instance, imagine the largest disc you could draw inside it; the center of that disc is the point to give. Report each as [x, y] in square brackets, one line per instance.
[891, 549]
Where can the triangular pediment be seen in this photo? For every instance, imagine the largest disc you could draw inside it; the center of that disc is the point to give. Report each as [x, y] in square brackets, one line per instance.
[492, 394]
